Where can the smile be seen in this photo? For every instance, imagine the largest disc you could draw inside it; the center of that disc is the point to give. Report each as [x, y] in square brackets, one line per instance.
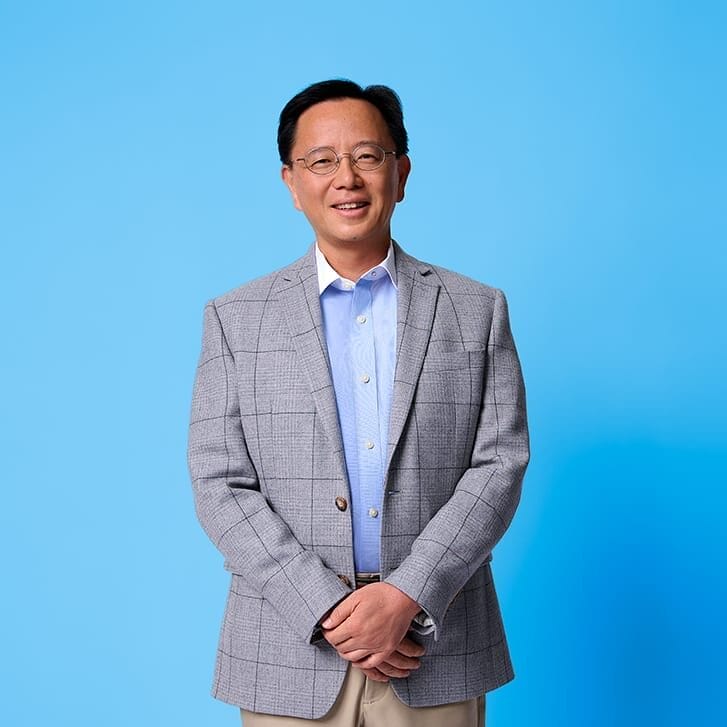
[350, 205]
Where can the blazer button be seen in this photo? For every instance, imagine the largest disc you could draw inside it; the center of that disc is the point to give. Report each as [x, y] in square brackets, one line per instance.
[345, 580]
[341, 503]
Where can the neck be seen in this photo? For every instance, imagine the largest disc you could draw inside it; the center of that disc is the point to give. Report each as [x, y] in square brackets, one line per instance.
[351, 261]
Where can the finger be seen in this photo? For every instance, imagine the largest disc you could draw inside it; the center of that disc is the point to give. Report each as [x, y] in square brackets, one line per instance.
[337, 636]
[355, 655]
[372, 661]
[327, 637]
[375, 674]
[403, 662]
[338, 615]
[392, 671]
[410, 648]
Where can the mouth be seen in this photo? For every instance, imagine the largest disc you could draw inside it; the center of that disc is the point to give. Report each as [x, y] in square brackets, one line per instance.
[350, 205]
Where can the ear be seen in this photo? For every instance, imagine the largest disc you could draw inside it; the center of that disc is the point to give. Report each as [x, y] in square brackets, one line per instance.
[404, 167]
[286, 174]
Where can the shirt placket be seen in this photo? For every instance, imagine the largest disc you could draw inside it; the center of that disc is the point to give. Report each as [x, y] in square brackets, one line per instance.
[367, 504]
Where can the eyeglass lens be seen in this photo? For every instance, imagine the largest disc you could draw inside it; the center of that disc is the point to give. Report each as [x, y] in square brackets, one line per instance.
[324, 160]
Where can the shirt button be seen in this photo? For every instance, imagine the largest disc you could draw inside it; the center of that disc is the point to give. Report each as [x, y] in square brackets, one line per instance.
[341, 503]
[365, 378]
[347, 285]
[373, 273]
[369, 444]
[373, 512]
[361, 319]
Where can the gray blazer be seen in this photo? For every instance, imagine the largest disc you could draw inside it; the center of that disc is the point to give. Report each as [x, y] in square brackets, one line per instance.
[267, 466]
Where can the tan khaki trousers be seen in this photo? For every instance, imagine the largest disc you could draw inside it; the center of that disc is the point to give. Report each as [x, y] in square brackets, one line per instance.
[363, 702]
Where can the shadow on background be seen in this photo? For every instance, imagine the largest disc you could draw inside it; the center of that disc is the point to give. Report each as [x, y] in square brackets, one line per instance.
[616, 616]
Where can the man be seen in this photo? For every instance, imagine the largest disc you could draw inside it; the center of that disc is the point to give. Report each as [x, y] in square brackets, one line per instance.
[357, 447]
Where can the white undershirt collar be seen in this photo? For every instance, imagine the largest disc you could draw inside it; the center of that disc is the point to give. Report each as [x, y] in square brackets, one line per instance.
[328, 276]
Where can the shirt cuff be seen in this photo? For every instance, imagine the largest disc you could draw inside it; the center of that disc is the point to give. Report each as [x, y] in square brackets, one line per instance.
[422, 624]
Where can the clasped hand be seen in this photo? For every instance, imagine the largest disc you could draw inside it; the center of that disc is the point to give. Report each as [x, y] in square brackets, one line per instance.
[369, 627]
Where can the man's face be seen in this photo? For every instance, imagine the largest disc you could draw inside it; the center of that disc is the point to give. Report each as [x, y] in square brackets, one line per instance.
[342, 124]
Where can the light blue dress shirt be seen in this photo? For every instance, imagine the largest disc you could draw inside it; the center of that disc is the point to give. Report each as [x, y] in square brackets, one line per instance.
[359, 323]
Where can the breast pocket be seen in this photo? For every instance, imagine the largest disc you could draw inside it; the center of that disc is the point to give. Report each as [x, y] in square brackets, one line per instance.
[450, 385]
[447, 404]
[453, 360]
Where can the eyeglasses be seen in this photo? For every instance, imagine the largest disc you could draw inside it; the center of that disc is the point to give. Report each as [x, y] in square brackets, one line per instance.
[324, 160]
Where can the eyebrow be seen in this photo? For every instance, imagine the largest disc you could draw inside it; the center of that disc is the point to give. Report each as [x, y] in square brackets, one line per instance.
[358, 143]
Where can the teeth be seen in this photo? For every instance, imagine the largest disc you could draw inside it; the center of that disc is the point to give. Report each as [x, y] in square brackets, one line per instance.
[349, 205]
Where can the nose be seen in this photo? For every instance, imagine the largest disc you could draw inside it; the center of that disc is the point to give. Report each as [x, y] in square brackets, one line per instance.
[346, 176]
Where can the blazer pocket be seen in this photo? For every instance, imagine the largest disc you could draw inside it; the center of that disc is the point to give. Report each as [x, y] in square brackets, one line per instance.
[454, 360]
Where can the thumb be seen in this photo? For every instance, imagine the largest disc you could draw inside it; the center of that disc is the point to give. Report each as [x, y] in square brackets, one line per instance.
[338, 615]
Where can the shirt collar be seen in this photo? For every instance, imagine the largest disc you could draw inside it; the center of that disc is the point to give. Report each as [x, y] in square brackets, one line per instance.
[328, 276]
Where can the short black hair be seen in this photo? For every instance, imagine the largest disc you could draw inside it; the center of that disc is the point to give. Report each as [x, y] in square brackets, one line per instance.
[382, 97]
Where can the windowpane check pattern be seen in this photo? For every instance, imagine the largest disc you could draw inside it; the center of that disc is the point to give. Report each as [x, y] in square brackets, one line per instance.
[266, 458]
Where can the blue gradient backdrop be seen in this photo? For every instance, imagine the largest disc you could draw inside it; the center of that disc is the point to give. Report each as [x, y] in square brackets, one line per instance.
[572, 154]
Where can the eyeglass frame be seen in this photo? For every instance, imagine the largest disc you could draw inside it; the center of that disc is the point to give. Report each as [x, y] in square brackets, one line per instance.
[345, 154]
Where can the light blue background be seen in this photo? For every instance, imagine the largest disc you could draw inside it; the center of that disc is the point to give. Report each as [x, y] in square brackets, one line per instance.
[572, 154]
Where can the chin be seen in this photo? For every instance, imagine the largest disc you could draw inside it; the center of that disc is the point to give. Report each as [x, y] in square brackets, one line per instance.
[353, 237]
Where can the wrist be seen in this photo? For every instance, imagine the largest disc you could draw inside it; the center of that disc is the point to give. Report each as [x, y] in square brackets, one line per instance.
[409, 606]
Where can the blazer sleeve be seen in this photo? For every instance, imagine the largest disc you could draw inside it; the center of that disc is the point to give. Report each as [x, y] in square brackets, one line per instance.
[255, 541]
[460, 536]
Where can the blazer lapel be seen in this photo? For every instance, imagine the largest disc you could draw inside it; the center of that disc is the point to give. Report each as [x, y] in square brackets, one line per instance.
[416, 302]
[301, 304]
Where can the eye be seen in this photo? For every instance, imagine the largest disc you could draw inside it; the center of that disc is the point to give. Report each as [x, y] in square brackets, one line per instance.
[368, 156]
[320, 158]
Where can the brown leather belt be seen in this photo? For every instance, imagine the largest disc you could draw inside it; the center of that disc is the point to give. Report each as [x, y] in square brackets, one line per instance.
[363, 579]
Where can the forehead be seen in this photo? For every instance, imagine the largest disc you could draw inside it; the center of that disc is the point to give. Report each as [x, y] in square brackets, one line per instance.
[341, 122]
